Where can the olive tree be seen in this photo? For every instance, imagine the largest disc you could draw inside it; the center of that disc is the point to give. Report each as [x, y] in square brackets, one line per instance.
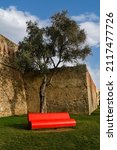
[44, 48]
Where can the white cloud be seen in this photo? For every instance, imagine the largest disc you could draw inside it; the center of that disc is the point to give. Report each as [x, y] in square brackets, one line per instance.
[90, 23]
[13, 23]
[92, 30]
[86, 17]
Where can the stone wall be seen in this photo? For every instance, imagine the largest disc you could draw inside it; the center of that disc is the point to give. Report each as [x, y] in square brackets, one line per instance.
[12, 92]
[7, 50]
[68, 91]
[72, 88]
[92, 97]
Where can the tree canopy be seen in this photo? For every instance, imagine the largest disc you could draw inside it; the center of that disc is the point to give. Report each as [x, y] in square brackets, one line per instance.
[63, 40]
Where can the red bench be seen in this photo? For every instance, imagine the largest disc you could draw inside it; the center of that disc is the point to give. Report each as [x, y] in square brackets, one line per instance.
[50, 120]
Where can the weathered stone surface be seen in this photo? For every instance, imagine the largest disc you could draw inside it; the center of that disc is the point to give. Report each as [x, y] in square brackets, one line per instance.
[92, 97]
[12, 92]
[72, 88]
[7, 50]
[70, 91]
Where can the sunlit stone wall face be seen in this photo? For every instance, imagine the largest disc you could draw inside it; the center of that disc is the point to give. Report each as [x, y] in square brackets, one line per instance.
[12, 92]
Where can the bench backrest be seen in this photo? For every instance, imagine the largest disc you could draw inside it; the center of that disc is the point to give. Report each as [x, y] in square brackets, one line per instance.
[47, 116]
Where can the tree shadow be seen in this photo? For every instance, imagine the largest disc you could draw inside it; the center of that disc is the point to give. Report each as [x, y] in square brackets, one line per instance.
[19, 126]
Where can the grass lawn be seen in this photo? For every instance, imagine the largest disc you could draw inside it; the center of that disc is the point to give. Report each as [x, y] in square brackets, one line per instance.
[14, 135]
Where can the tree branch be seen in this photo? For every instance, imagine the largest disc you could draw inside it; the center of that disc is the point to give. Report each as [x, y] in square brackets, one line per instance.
[53, 72]
[53, 62]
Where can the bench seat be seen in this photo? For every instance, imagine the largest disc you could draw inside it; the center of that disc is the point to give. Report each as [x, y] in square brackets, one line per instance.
[50, 120]
[53, 124]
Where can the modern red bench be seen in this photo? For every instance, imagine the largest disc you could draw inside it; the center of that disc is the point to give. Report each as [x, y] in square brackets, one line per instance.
[50, 120]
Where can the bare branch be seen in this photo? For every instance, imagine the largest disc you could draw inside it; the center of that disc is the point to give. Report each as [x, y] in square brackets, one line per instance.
[53, 62]
[53, 72]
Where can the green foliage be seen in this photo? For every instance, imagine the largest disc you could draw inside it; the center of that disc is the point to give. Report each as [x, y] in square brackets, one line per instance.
[14, 134]
[63, 39]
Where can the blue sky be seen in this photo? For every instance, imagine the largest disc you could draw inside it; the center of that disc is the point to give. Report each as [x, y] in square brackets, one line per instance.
[14, 14]
[46, 8]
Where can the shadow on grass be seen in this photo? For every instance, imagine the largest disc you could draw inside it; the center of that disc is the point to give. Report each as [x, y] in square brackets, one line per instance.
[19, 126]
[26, 128]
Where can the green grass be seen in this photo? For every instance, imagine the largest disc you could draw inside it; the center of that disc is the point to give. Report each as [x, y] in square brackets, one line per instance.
[14, 135]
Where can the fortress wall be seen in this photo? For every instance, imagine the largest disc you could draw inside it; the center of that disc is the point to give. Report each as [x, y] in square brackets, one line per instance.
[92, 93]
[68, 91]
[12, 92]
[72, 88]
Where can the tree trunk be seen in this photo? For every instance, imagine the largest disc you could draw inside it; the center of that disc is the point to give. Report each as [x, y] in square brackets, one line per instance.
[43, 107]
